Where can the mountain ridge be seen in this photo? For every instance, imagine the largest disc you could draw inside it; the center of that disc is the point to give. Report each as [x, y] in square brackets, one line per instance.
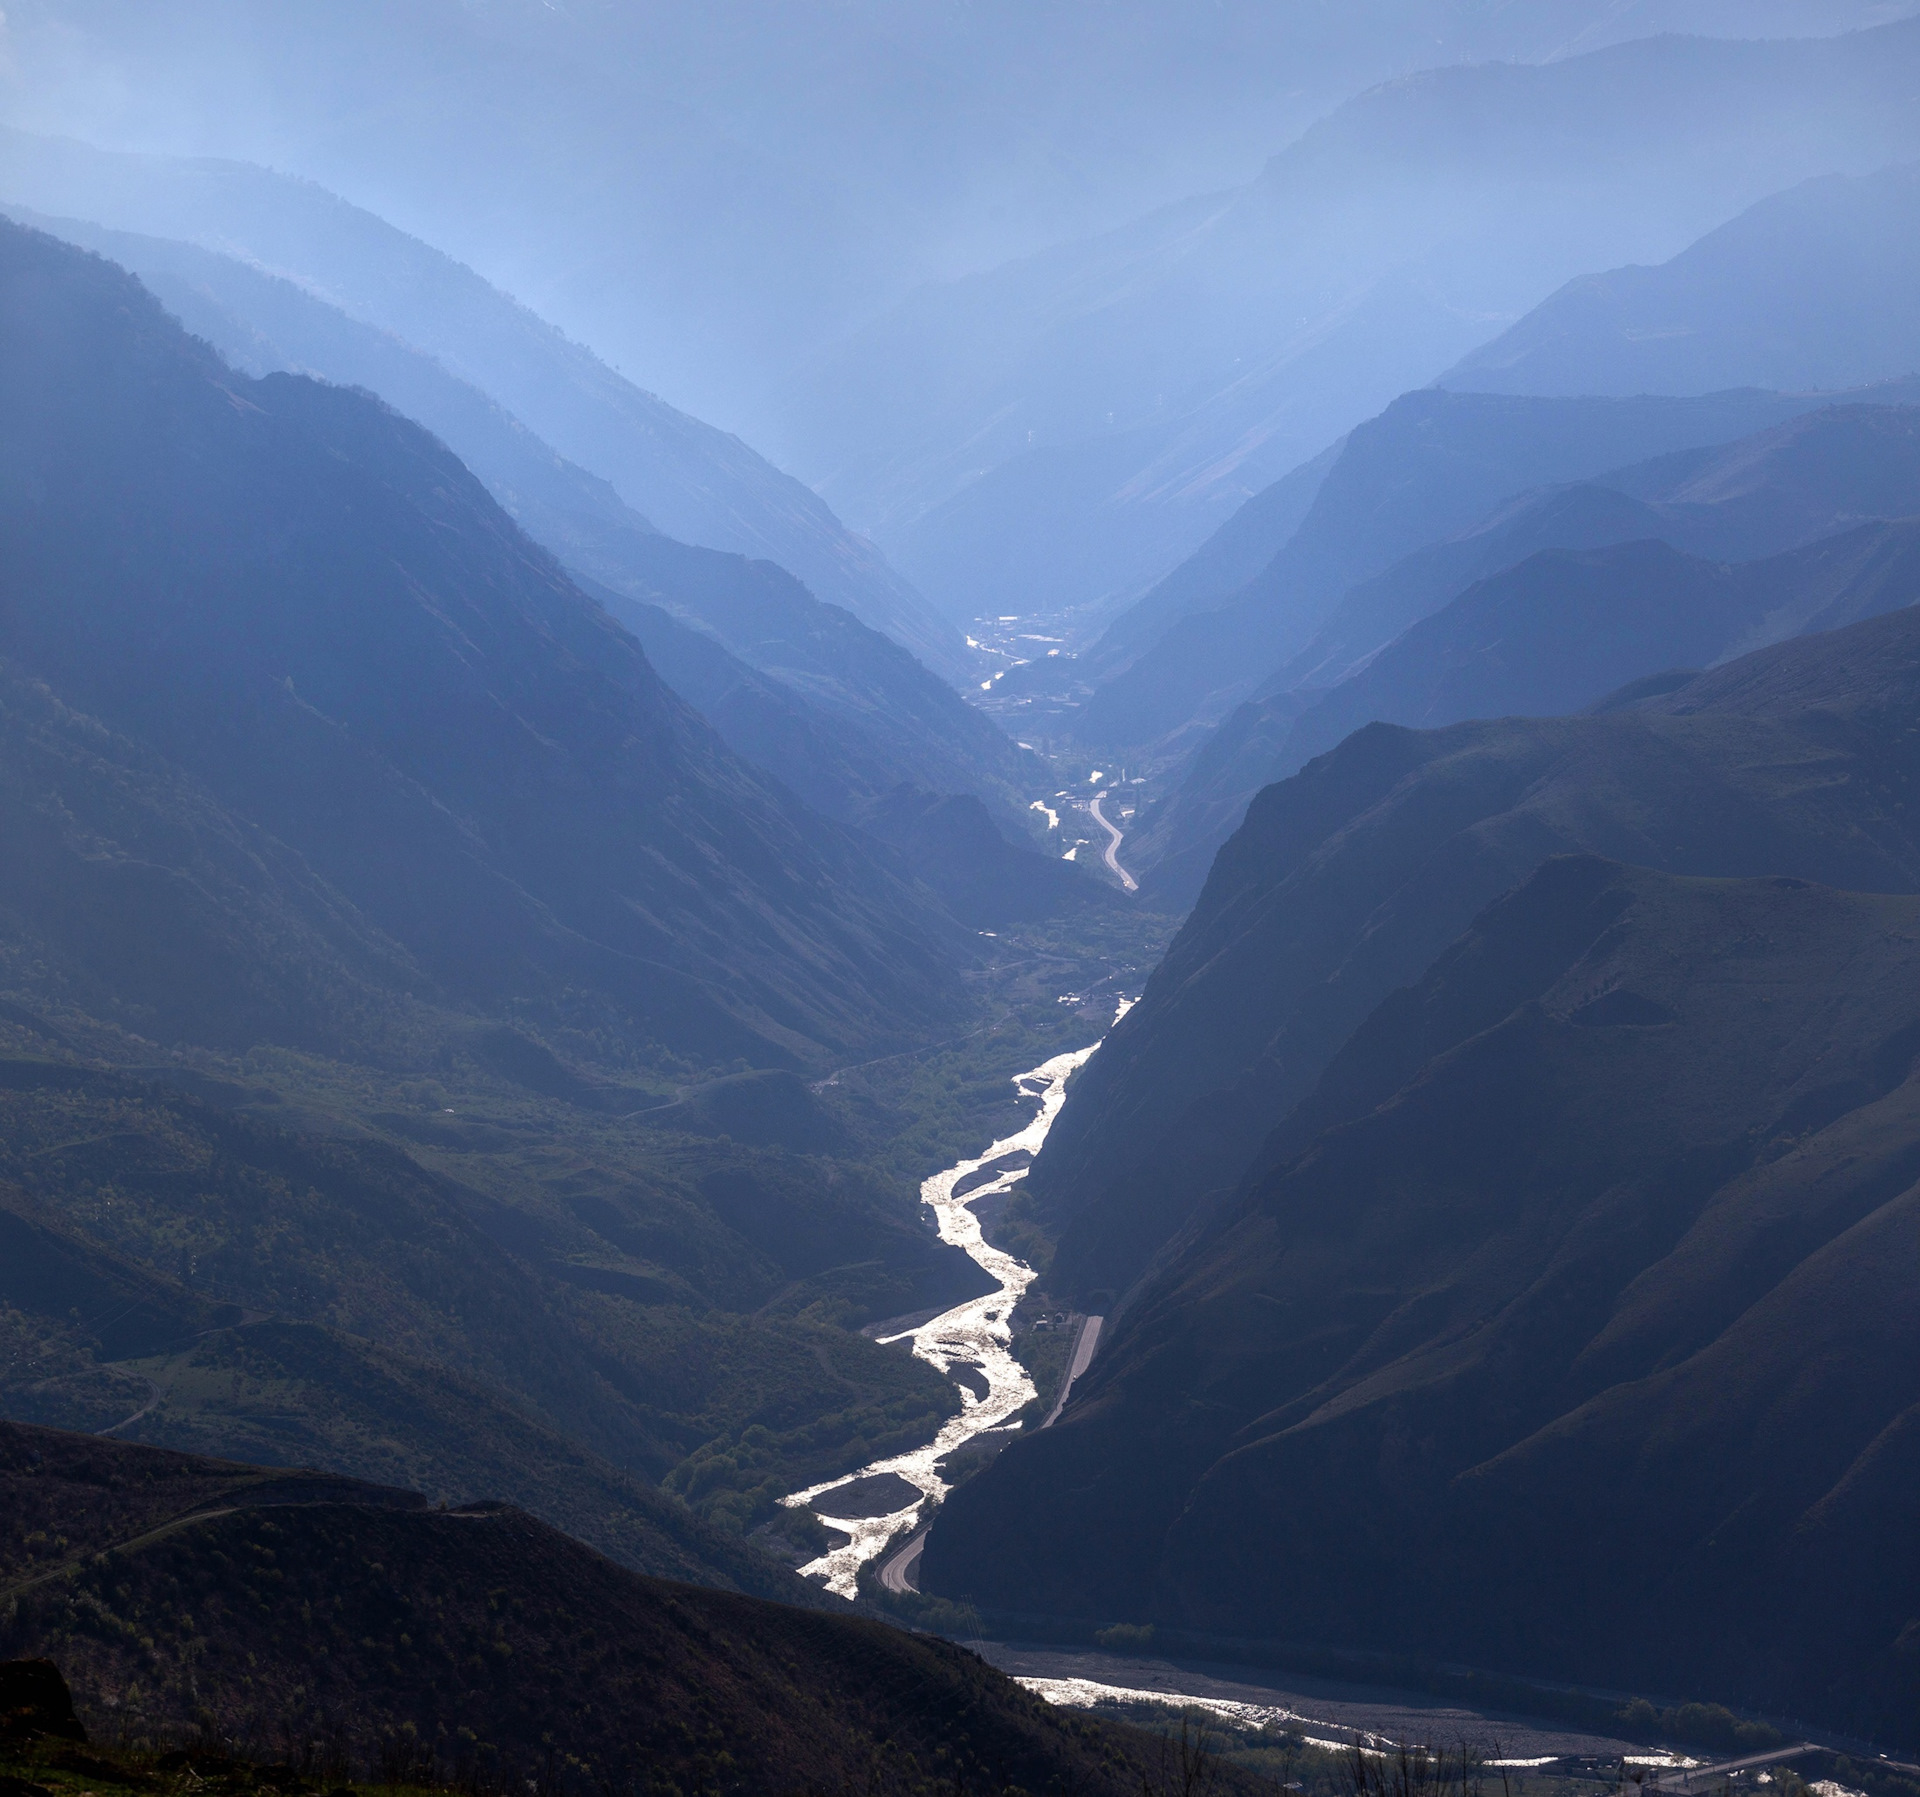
[1463, 1335]
[346, 696]
[690, 479]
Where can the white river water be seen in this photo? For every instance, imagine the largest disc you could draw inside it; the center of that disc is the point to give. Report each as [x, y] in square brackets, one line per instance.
[976, 1335]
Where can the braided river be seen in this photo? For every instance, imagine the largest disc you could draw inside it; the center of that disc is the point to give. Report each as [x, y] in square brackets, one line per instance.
[972, 1343]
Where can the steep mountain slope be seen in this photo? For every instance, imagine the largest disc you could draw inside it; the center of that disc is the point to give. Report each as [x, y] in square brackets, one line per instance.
[1431, 466]
[133, 895]
[950, 841]
[1067, 427]
[1562, 631]
[1808, 288]
[694, 482]
[1541, 633]
[272, 1603]
[1827, 466]
[1235, 554]
[907, 716]
[984, 880]
[310, 607]
[1578, 1292]
[914, 721]
[1346, 880]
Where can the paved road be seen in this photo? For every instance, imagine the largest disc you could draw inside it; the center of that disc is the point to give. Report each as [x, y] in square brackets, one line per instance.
[1693, 1778]
[1078, 1361]
[1111, 854]
[1325, 1710]
[896, 1574]
[127, 1422]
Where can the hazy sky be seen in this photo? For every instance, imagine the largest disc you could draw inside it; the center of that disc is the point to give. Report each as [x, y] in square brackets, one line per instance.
[709, 192]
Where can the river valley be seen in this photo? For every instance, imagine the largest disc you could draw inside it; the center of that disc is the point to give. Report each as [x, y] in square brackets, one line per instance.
[971, 1344]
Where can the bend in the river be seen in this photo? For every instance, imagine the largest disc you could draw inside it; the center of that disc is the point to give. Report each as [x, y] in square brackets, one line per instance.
[977, 1336]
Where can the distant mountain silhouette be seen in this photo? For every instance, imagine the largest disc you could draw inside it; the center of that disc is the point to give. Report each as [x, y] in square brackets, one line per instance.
[1431, 467]
[1811, 287]
[1575, 596]
[312, 612]
[1063, 429]
[690, 480]
[1576, 1294]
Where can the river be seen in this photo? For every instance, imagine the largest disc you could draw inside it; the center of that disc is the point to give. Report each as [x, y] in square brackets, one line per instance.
[975, 1337]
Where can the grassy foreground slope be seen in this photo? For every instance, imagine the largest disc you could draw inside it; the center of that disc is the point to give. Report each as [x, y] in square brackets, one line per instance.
[180, 1593]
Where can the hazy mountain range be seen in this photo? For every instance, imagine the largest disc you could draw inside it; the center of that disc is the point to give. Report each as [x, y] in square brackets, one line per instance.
[1390, 648]
[682, 476]
[1058, 431]
[637, 172]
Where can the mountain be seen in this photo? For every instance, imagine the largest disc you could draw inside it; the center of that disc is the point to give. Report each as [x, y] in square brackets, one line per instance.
[705, 200]
[985, 880]
[690, 480]
[415, 1295]
[1432, 466]
[1571, 593]
[1346, 880]
[313, 612]
[1576, 1293]
[1563, 630]
[1059, 431]
[1235, 554]
[477, 1642]
[1808, 288]
[907, 717]
[406, 995]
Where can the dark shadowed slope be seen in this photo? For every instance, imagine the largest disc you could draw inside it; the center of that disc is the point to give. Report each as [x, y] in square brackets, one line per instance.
[1579, 1294]
[1346, 880]
[271, 1601]
[697, 483]
[1810, 288]
[1543, 633]
[309, 606]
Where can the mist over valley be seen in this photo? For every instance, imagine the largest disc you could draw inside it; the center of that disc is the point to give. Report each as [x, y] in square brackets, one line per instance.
[983, 898]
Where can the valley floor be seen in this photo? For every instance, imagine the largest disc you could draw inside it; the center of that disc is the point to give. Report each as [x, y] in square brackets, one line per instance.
[1321, 1709]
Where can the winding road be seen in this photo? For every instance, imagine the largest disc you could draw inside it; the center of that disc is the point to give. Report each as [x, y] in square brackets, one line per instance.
[1111, 853]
